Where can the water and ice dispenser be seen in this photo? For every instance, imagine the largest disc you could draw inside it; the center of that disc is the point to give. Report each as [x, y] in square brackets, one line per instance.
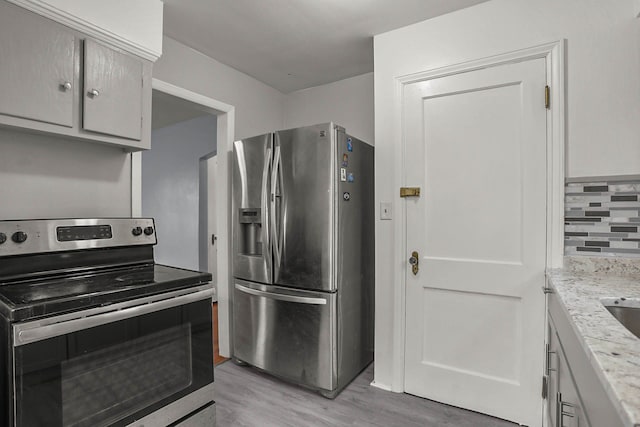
[250, 231]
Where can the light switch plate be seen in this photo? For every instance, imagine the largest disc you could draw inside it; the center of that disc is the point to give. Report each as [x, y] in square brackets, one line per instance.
[385, 210]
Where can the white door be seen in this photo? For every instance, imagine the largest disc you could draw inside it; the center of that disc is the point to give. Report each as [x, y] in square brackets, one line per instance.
[212, 254]
[476, 145]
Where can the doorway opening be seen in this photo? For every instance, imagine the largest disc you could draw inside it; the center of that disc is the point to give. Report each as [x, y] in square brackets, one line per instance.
[174, 180]
[183, 184]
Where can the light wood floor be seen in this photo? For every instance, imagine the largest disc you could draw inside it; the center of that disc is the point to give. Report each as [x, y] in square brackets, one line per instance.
[246, 397]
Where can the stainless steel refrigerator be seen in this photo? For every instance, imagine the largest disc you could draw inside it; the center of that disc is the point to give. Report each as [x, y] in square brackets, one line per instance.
[303, 254]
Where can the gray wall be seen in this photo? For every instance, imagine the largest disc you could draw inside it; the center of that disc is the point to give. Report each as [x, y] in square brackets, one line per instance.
[347, 102]
[49, 177]
[170, 187]
[258, 108]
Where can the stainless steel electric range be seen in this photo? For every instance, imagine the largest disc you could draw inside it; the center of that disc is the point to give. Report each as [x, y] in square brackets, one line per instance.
[94, 333]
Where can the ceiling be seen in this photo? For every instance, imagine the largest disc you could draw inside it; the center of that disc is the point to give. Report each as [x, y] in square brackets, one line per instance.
[295, 44]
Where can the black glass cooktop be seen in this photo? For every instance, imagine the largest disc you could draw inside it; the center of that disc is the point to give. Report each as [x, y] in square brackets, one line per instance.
[26, 299]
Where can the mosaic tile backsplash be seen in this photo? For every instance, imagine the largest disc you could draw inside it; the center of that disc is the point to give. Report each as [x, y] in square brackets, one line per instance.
[602, 218]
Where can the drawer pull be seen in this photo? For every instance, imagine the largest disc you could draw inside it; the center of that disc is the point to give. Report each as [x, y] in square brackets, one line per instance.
[566, 410]
[548, 367]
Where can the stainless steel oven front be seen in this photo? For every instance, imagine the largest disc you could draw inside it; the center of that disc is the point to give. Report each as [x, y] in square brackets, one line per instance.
[146, 361]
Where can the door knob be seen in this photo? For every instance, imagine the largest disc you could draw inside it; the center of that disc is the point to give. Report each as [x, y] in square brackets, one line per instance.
[414, 261]
[94, 92]
[66, 86]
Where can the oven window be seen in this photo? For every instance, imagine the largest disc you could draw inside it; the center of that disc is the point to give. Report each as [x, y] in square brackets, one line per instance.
[97, 388]
[112, 374]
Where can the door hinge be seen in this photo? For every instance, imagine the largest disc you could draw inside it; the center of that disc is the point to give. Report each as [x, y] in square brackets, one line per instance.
[547, 97]
[545, 386]
[410, 192]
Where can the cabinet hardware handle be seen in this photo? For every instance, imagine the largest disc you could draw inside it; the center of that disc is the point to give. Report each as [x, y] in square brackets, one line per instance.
[565, 409]
[94, 92]
[66, 86]
[549, 353]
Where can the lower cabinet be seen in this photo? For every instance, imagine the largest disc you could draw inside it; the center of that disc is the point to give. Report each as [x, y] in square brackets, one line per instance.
[565, 406]
[575, 395]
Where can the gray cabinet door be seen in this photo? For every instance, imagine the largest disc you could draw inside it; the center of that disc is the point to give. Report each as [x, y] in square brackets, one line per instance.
[36, 67]
[564, 403]
[568, 403]
[112, 99]
[552, 363]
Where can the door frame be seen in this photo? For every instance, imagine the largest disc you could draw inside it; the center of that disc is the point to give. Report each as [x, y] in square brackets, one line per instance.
[554, 55]
[225, 114]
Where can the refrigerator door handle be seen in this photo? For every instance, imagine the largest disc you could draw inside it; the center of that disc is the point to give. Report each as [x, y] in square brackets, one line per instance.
[281, 297]
[276, 199]
[266, 250]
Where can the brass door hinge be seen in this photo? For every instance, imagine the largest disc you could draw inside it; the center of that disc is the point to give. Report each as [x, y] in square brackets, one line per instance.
[409, 191]
[547, 97]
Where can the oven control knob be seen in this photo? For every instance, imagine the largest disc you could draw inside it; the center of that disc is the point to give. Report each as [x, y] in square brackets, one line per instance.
[19, 236]
[148, 231]
[3, 238]
[136, 231]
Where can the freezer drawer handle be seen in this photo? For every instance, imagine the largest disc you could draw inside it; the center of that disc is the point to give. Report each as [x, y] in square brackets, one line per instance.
[281, 297]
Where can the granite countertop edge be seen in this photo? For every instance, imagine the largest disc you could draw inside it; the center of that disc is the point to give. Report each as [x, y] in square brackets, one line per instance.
[612, 350]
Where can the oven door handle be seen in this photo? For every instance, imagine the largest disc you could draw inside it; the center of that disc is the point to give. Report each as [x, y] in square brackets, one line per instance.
[30, 332]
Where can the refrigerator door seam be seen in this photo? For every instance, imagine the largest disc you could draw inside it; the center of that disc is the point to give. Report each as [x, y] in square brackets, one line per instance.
[266, 247]
[275, 227]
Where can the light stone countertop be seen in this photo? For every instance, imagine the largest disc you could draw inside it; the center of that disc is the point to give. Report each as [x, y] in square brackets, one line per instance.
[613, 351]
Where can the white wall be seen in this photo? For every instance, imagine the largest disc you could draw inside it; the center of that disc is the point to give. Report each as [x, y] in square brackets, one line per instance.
[258, 107]
[48, 177]
[603, 54]
[603, 105]
[347, 102]
[171, 188]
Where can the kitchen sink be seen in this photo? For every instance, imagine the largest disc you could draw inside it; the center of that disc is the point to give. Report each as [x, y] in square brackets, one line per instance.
[627, 312]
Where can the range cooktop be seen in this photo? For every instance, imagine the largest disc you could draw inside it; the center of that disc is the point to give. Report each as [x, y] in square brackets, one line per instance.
[54, 266]
[26, 299]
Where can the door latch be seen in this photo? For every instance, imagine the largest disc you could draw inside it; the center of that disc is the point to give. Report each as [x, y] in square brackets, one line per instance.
[410, 192]
[413, 261]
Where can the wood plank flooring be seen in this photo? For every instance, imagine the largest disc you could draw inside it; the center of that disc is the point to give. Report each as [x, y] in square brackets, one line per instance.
[248, 398]
[217, 359]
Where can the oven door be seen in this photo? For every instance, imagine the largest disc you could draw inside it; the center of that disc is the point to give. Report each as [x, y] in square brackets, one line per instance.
[114, 365]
